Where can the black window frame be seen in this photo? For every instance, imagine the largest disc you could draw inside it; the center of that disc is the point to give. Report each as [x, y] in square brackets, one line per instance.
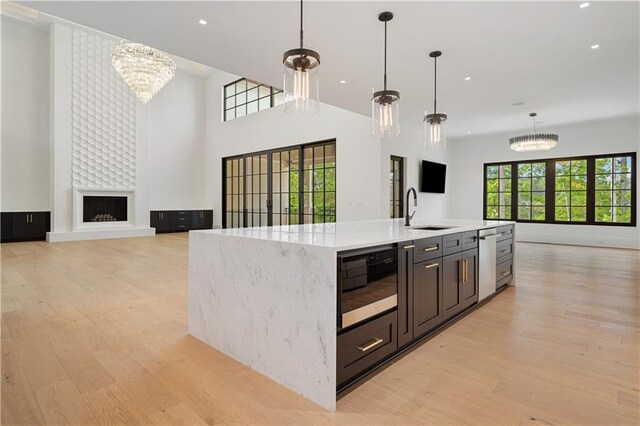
[272, 95]
[393, 196]
[301, 184]
[550, 189]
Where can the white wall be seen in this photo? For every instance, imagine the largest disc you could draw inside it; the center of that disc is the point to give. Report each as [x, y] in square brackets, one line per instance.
[601, 137]
[25, 117]
[362, 161]
[177, 144]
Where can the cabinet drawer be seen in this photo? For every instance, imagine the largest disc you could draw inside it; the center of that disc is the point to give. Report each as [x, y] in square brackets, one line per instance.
[451, 244]
[427, 249]
[504, 250]
[469, 240]
[366, 345]
[505, 232]
[504, 272]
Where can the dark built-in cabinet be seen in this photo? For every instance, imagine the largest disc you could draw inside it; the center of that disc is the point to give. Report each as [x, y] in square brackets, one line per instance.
[437, 280]
[181, 220]
[25, 226]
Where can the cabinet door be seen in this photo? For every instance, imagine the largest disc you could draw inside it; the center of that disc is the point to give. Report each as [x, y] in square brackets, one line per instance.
[451, 285]
[19, 226]
[427, 296]
[5, 232]
[38, 225]
[469, 278]
[197, 219]
[405, 292]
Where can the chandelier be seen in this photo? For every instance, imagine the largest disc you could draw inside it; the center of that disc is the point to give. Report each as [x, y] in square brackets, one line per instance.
[301, 82]
[535, 141]
[385, 104]
[435, 136]
[145, 69]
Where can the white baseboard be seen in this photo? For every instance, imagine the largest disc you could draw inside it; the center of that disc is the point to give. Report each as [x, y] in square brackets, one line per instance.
[581, 240]
[54, 237]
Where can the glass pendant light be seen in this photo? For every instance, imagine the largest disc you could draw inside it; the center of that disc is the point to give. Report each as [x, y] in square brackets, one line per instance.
[535, 142]
[435, 130]
[301, 84]
[385, 103]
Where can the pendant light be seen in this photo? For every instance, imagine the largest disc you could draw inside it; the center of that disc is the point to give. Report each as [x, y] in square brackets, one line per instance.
[385, 103]
[533, 142]
[435, 131]
[301, 84]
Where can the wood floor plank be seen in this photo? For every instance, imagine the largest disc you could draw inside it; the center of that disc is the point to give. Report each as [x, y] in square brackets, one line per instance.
[94, 332]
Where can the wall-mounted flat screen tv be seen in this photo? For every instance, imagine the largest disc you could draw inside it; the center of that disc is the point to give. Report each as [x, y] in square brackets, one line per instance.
[433, 177]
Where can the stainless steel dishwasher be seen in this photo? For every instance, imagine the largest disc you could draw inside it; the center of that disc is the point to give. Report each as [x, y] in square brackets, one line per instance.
[487, 255]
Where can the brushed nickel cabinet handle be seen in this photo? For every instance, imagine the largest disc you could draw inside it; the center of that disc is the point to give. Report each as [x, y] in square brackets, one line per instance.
[370, 344]
[430, 249]
[504, 251]
[409, 247]
[433, 265]
[504, 274]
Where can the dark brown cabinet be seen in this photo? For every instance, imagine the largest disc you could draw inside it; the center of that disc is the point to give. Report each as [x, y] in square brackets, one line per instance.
[451, 285]
[181, 220]
[405, 292]
[25, 226]
[469, 279]
[427, 296]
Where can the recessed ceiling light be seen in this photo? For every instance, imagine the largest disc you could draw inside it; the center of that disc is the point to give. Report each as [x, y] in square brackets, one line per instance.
[467, 78]
[468, 133]
[202, 22]
[343, 81]
[583, 5]
[595, 46]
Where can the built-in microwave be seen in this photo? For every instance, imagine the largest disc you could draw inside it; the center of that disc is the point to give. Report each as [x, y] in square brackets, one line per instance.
[367, 284]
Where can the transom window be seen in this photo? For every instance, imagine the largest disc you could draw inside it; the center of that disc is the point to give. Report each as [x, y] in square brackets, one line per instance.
[592, 190]
[243, 97]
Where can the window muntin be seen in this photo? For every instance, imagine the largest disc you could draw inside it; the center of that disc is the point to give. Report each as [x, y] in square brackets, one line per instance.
[234, 197]
[498, 185]
[594, 190]
[396, 183]
[245, 97]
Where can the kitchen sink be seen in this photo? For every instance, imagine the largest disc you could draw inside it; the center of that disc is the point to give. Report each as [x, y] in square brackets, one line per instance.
[432, 228]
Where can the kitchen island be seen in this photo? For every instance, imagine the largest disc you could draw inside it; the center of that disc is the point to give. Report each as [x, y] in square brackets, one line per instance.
[269, 297]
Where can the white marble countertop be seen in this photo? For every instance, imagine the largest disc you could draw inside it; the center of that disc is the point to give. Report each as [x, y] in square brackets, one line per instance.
[352, 235]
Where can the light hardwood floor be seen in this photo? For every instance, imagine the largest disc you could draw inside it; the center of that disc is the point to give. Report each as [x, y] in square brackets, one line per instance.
[95, 332]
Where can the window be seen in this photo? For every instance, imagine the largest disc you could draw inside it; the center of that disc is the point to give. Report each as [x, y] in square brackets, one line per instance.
[396, 183]
[571, 190]
[497, 189]
[284, 186]
[614, 189]
[593, 190]
[531, 191]
[245, 97]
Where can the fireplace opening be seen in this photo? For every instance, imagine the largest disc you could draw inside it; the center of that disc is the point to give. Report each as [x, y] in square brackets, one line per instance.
[104, 209]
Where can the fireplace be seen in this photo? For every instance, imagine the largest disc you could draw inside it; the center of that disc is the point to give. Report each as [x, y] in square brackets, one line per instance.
[104, 209]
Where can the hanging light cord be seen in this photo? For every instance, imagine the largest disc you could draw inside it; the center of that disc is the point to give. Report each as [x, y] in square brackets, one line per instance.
[301, 31]
[385, 55]
[534, 124]
[435, 85]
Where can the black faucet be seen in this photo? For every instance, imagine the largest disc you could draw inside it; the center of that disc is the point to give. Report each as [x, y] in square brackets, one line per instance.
[407, 216]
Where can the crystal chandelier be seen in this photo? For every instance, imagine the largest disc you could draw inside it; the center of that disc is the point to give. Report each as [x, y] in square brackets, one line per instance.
[385, 104]
[533, 142]
[301, 83]
[146, 70]
[435, 136]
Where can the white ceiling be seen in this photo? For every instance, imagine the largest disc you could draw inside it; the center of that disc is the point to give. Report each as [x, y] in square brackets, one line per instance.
[533, 52]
